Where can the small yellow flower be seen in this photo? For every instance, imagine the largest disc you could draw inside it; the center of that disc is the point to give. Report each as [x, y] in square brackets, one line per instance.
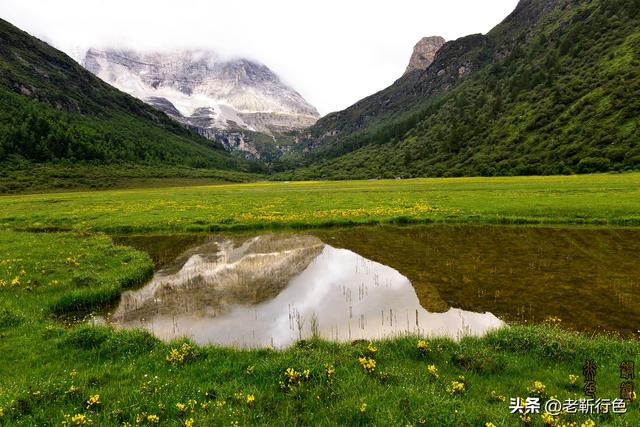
[329, 371]
[372, 349]
[490, 424]
[72, 389]
[633, 396]
[250, 370]
[367, 363]
[573, 379]
[432, 370]
[538, 387]
[15, 281]
[80, 419]
[497, 397]
[456, 387]
[153, 419]
[250, 399]
[588, 423]
[422, 346]
[181, 355]
[363, 408]
[292, 377]
[549, 420]
[189, 422]
[93, 401]
[525, 418]
[181, 407]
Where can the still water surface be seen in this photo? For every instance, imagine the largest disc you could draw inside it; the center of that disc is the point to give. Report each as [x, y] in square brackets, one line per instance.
[374, 282]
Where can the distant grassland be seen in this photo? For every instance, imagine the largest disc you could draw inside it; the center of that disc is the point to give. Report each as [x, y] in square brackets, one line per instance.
[580, 199]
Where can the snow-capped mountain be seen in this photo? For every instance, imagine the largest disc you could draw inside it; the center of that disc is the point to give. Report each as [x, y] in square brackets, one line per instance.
[211, 94]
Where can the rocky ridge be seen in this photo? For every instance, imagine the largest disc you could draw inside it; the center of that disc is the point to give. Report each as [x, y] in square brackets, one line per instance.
[424, 53]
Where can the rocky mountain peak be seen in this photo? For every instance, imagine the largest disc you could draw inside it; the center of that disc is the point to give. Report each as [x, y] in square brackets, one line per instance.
[424, 52]
[191, 85]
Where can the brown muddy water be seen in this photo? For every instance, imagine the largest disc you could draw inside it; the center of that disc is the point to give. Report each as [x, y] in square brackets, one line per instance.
[373, 282]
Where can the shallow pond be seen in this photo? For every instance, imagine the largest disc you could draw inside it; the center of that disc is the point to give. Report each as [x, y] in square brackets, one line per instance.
[372, 282]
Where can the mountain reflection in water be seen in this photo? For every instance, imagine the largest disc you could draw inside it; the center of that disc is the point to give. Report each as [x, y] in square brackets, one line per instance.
[276, 289]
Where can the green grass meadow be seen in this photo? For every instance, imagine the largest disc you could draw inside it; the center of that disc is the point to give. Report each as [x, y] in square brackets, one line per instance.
[56, 371]
[578, 199]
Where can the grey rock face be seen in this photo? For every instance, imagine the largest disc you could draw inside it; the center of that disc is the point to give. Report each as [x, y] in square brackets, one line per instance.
[207, 93]
[424, 53]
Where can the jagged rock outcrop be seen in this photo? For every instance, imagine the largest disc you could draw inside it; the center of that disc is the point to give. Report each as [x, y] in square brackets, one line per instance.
[424, 52]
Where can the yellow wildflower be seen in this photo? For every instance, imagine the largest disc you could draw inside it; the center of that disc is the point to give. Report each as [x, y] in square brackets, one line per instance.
[433, 370]
[456, 387]
[588, 423]
[363, 408]
[93, 401]
[422, 346]
[184, 353]
[293, 377]
[538, 387]
[497, 397]
[329, 371]
[372, 349]
[80, 419]
[153, 419]
[573, 379]
[250, 399]
[548, 419]
[181, 407]
[367, 363]
[490, 425]
[189, 422]
[15, 281]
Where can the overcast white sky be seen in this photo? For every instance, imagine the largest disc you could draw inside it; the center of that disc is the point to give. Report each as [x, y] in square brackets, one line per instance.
[334, 52]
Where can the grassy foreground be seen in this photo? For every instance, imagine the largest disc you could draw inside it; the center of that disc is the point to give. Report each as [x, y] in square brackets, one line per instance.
[53, 371]
[50, 372]
[583, 199]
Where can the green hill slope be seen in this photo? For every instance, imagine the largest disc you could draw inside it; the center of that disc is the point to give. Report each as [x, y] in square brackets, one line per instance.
[553, 89]
[52, 110]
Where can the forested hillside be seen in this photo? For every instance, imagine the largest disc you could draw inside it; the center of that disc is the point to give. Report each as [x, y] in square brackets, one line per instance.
[553, 89]
[55, 111]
